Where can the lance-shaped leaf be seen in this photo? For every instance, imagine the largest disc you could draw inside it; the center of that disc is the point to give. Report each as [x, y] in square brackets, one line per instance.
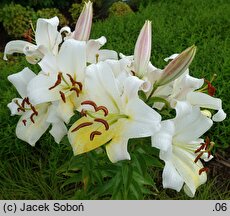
[84, 23]
[142, 50]
[177, 66]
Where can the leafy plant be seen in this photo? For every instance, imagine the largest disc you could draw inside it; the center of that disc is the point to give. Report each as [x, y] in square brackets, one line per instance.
[119, 9]
[16, 19]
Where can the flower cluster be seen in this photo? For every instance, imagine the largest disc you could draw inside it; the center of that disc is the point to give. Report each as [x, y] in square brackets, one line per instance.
[78, 76]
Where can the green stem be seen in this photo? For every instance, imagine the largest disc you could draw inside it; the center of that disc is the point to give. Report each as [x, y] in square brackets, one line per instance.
[152, 92]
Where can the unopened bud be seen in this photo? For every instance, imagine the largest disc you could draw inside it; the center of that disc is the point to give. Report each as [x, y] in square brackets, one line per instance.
[142, 50]
[177, 66]
[84, 23]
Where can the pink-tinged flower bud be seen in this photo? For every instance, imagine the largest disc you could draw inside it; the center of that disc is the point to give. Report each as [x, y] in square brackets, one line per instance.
[84, 23]
[177, 66]
[142, 50]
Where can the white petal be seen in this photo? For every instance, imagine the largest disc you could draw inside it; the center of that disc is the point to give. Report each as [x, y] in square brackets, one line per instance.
[93, 47]
[65, 29]
[14, 107]
[72, 58]
[204, 100]
[219, 116]
[188, 169]
[16, 46]
[58, 131]
[46, 34]
[173, 56]
[38, 89]
[143, 121]
[163, 139]
[117, 150]
[191, 124]
[171, 178]
[31, 132]
[100, 77]
[107, 54]
[65, 110]
[48, 64]
[21, 79]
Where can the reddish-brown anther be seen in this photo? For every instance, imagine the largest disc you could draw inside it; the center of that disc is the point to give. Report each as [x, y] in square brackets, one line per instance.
[93, 134]
[82, 125]
[200, 148]
[205, 169]
[33, 109]
[58, 82]
[106, 112]
[24, 122]
[83, 113]
[32, 117]
[104, 122]
[198, 157]
[62, 96]
[211, 88]
[76, 90]
[75, 82]
[88, 102]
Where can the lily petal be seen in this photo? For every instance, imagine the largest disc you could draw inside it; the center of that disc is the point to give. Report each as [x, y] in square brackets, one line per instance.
[46, 34]
[72, 58]
[15, 46]
[14, 107]
[219, 116]
[31, 132]
[58, 131]
[117, 150]
[21, 79]
[171, 178]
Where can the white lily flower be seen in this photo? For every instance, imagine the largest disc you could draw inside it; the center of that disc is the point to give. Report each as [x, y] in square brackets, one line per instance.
[112, 116]
[47, 40]
[34, 119]
[61, 79]
[181, 148]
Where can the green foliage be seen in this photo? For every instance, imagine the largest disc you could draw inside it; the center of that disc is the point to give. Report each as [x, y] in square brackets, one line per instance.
[119, 9]
[16, 19]
[94, 176]
[51, 12]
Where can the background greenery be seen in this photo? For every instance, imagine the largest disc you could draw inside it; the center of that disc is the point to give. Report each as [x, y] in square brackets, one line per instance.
[48, 171]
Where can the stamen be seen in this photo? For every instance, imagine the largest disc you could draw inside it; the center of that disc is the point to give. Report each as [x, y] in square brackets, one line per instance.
[24, 122]
[82, 125]
[75, 82]
[93, 134]
[205, 169]
[32, 117]
[133, 73]
[198, 157]
[207, 143]
[104, 122]
[25, 100]
[106, 112]
[62, 96]
[97, 57]
[33, 109]
[211, 88]
[200, 148]
[83, 113]
[58, 82]
[76, 90]
[88, 102]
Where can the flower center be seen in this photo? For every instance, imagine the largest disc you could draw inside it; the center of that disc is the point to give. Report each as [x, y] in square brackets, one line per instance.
[26, 106]
[101, 115]
[71, 86]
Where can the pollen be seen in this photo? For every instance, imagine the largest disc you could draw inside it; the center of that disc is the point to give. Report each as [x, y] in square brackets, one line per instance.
[104, 122]
[205, 169]
[103, 108]
[85, 124]
[62, 96]
[93, 134]
[58, 82]
[88, 102]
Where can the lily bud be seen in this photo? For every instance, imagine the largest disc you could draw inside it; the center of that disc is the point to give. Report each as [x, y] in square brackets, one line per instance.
[177, 66]
[84, 23]
[142, 50]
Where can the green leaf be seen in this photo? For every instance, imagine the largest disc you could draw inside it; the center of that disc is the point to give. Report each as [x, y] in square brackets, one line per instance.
[142, 95]
[126, 171]
[76, 178]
